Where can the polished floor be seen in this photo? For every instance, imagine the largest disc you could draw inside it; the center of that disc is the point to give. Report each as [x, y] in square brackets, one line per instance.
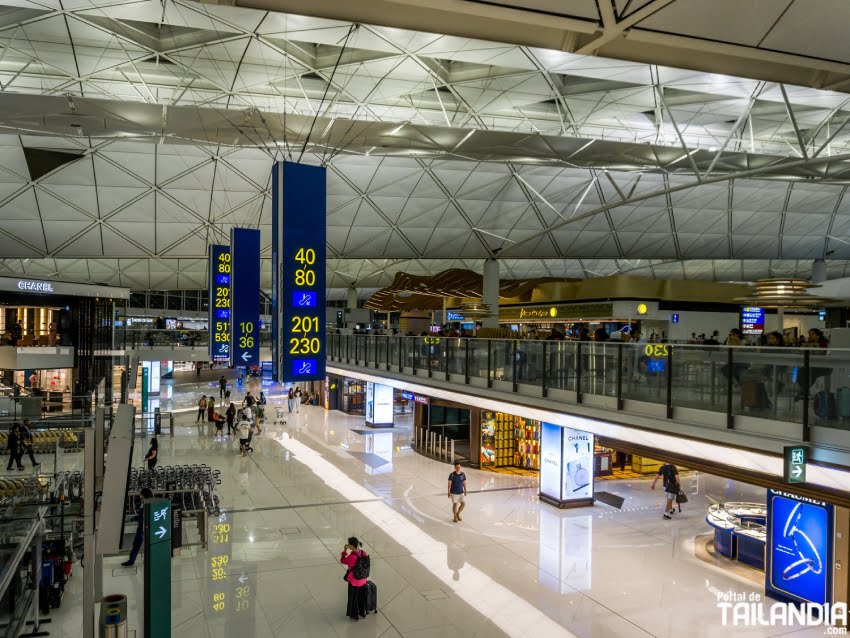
[513, 567]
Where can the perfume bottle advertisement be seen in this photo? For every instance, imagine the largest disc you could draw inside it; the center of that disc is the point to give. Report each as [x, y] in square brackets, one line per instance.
[578, 464]
[550, 465]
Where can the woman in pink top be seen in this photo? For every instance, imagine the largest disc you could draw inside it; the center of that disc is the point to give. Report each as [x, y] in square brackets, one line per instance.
[356, 587]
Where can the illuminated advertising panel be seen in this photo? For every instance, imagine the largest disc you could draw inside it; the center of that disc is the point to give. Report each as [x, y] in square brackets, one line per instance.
[798, 561]
[550, 460]
[577, 465]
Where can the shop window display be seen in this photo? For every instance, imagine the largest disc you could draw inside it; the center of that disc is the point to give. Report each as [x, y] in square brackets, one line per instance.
[509, 441]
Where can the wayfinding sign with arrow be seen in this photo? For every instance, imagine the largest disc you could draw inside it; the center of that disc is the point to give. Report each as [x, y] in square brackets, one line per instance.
[158, 568]
[245, 297]
[794, 463]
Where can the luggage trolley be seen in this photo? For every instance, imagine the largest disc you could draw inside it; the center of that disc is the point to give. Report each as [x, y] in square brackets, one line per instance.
[279, 418]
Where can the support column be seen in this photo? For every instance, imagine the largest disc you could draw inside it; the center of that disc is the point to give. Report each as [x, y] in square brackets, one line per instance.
[350, 303]
[491, 292]
[780, 318]
[818, 271]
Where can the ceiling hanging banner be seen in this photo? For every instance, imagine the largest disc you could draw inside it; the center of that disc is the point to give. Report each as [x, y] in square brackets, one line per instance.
[298, 274]
[245, 297]
[219, 302]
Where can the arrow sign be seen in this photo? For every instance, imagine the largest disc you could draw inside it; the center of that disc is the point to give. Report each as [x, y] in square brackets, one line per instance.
[242, 579]
[160, 533]
[795, 457]
[245, 356]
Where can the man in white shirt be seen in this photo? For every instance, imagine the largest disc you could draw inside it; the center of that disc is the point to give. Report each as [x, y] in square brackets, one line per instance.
[244, 428]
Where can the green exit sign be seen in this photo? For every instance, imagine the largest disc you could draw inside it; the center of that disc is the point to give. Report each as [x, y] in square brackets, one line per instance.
[794, 463]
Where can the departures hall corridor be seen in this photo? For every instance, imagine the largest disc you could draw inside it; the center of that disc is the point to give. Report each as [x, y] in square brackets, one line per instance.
[513, 567]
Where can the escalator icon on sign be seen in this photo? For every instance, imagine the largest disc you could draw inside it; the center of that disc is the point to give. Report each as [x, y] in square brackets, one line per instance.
[303, 367]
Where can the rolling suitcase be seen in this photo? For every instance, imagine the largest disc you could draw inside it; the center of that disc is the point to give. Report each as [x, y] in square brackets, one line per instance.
[824, 405]
[371, 597]
[842, 402]
[754, 395]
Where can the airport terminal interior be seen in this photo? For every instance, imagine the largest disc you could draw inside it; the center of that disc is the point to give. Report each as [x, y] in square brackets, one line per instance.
[383, 319]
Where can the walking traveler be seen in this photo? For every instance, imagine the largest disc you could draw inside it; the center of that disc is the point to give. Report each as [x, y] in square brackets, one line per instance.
[357, 576]
[219, 425]
[230, 414]
[152, 457]
[457, 492]
[244, 428]
[140, 530]
[297, 397]
[670, 474]
[222, 387]
[211, 409]
[290, 400]
[13, 444]
[202, 409]
[26, 443]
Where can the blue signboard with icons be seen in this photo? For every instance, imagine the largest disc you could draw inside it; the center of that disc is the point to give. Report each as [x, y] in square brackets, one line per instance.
[219, 302]
[298, 285]
[798, 561]
[245, 297]
[752, 321]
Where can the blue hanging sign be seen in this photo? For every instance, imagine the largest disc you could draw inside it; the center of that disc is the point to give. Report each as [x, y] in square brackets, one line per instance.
[245, 297]
[798, 561]
[219, 302]
[298, 286]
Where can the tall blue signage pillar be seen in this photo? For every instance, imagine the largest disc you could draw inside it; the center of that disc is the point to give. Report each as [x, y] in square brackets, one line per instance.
[299, 209]
[245, 297]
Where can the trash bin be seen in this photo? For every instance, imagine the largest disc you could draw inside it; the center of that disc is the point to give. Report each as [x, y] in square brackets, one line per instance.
[113, 616]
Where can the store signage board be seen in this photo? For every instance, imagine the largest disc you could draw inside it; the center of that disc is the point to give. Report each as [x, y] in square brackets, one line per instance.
[219, 302]
[63, 288]
[35, 286]
[157, 590]
[794, 463]
[561, 312]
[299, 229]
[245, 297]
[454, 316]
[752, 321]
[421, 399]
[799, 553]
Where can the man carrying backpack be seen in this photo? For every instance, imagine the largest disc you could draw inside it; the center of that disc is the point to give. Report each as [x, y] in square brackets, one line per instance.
[671, 486]
[361, 593]
[202, 409]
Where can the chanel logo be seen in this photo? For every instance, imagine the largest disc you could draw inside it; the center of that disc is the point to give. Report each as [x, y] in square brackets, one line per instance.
[40, 286]
[809, 559]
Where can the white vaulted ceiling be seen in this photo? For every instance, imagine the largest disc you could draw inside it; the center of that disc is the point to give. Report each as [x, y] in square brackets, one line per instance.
[441, 151]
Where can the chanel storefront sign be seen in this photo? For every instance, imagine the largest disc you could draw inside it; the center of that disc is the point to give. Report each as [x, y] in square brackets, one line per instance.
[35, 286]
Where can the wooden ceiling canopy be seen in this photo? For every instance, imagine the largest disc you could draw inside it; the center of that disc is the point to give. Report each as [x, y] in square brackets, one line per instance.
[413, 292]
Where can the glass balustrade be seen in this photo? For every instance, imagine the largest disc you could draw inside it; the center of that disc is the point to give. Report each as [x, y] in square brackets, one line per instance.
[807, 386]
